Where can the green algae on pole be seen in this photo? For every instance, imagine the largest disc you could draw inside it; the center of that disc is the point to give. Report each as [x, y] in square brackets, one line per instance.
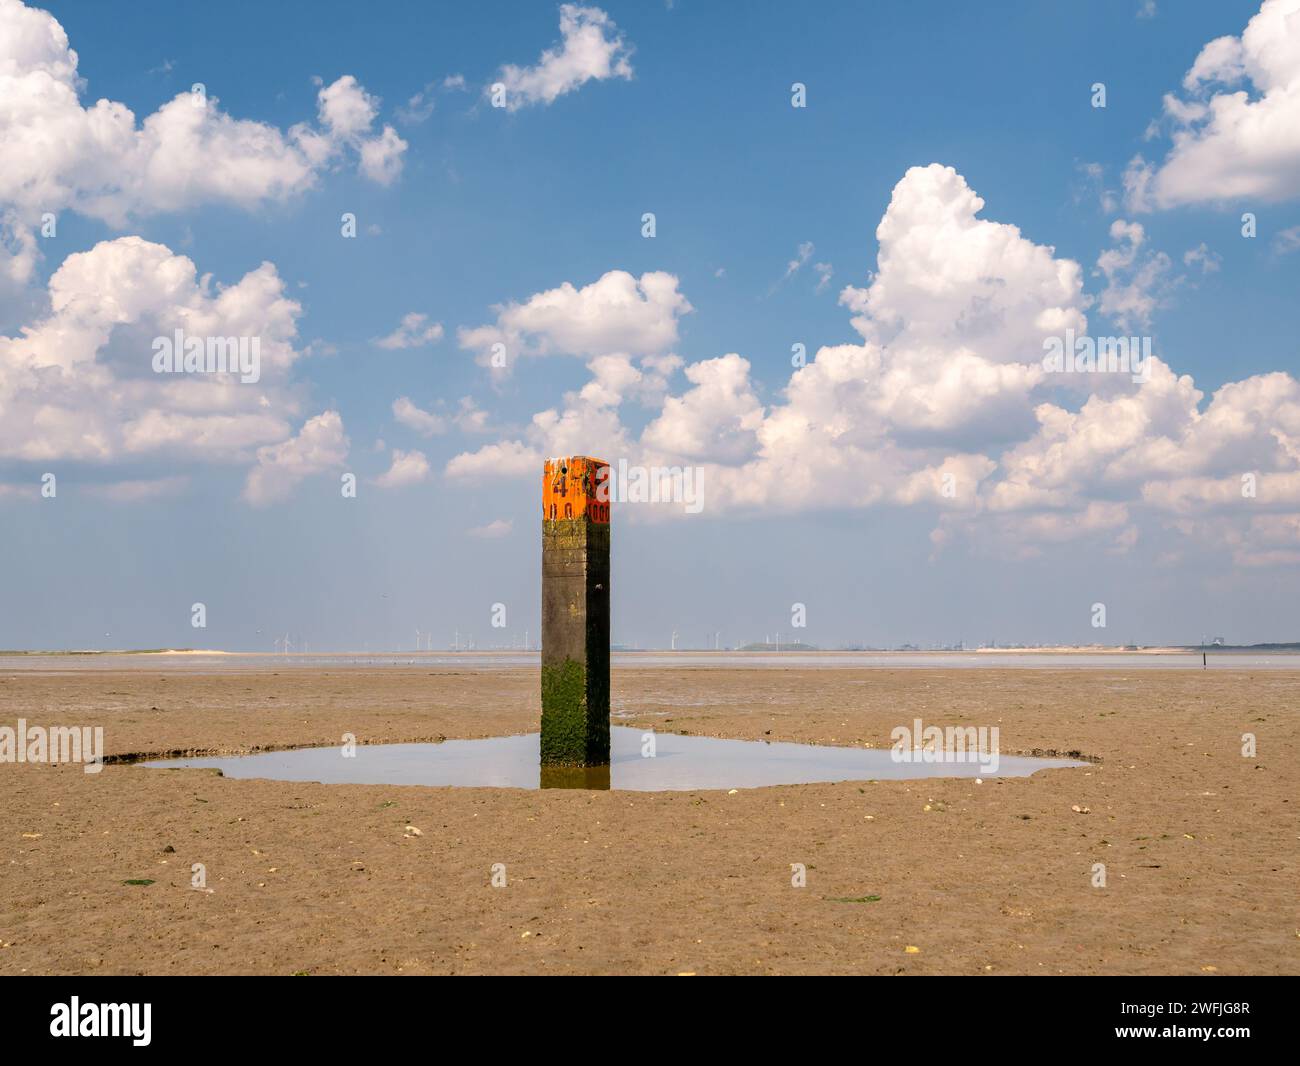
[575, 612]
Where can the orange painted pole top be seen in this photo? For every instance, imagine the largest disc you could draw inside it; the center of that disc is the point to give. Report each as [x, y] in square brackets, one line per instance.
[576, 486]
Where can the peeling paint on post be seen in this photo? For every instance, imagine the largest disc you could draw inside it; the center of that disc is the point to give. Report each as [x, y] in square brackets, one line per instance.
[575, 612]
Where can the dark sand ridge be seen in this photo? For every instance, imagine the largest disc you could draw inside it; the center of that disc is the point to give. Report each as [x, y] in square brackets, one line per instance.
[1201, 845]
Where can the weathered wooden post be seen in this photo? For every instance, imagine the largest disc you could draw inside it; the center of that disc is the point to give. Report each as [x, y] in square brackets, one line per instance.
[575, 612]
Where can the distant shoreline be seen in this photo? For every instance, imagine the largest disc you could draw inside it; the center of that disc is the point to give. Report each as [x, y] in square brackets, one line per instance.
[1082, 650]
[125, 651]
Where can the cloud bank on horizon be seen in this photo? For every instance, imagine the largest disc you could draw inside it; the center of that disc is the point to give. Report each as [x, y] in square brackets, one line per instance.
[943, 401]
[948, 380]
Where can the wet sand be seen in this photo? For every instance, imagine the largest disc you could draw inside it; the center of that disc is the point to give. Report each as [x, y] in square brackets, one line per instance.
[1200, 845]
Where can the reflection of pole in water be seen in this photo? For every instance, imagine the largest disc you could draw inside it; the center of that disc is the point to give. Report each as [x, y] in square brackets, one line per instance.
[588, 777]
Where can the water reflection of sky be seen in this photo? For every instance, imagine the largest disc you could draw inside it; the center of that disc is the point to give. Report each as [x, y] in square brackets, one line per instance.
[679, 764]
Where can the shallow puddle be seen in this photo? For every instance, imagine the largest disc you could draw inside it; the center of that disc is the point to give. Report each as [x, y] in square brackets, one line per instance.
[679, 764]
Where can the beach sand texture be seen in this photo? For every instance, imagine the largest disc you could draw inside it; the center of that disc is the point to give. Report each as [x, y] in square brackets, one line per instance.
[1200, 844]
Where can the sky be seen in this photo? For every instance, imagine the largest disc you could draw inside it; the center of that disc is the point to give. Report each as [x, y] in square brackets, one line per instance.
[816, 259]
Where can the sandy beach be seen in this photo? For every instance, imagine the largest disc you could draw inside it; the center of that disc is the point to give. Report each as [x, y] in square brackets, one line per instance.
[1200, 844]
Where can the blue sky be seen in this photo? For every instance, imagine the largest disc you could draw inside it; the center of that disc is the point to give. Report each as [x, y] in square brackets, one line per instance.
[485, 207]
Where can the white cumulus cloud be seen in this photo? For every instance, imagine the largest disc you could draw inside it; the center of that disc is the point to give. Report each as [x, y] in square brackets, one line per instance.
[408, 468]
[591, 49]
[414, 331]
[1236, 129]
[617, 313]
[425, 423]
[99, 161]
[320, 446]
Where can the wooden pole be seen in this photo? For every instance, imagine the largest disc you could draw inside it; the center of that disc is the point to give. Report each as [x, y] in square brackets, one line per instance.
[575, 612]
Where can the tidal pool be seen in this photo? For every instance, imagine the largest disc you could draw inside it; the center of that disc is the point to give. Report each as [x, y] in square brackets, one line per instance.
[679, 764]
